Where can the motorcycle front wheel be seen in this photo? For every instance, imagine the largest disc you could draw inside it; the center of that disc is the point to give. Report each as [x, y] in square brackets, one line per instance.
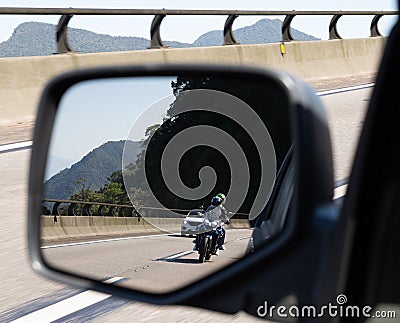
[203, 248]
[208, 248]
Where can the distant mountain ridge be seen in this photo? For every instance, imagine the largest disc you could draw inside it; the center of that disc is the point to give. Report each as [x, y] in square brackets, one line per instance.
[95, 168]
[263, 31]
[38, 39]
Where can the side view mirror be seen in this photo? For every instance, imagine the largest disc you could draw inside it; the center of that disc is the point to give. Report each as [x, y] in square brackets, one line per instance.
[123, 156]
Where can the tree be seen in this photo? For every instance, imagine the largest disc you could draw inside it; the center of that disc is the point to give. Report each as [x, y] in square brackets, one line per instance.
[113, 193]
[267, 100]
[81, 189]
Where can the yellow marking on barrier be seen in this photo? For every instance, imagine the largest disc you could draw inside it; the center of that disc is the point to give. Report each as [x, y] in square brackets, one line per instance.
[283, 49]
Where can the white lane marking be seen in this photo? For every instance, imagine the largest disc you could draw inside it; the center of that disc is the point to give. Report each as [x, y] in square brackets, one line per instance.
[15, 146]
[340, 191]
[181, 254]
[345, 89]
[72, 244]
[67, 306]
[242, 238]
[103, 240]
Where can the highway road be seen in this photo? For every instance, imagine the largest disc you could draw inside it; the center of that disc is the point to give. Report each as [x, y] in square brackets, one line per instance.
[25, 293]
[158, 263]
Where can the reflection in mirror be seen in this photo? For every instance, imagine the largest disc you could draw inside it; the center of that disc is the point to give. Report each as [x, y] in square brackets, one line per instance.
[148, 177]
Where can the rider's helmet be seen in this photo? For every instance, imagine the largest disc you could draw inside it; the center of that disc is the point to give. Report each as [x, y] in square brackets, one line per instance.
[216, 201]
[221, 196]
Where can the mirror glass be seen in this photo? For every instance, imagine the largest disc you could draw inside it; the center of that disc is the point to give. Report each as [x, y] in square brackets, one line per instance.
[158, 181]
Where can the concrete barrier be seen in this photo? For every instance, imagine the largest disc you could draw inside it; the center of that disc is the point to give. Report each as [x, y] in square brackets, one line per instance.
[23, 78]
[86, 227]
[73, 228]
[238, 224]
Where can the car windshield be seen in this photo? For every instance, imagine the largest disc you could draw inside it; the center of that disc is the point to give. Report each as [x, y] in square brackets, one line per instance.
[195, 214]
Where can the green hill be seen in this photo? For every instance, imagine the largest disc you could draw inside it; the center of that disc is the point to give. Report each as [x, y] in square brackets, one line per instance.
[263, 31]
[95, 168]
[38, 39]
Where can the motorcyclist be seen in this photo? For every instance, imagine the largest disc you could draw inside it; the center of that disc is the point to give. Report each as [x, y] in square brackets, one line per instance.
[210, 215]
[225, 220]
[216, 212]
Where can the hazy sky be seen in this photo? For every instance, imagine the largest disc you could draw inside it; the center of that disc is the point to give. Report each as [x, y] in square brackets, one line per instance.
[94, 112]
[188, 29]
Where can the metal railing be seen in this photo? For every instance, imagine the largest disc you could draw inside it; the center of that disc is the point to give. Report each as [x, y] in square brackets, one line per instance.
[63, 45]
[86, 208]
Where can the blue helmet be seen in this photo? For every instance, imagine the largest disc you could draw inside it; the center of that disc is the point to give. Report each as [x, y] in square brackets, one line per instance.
[216, 201]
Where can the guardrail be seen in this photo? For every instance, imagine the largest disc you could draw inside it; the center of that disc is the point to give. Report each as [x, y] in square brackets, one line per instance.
[85, 208]
[82, 208]
[63, 45]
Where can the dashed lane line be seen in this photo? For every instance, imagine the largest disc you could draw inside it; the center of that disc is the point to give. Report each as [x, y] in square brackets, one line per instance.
[15, 146]
[340, 191]
[345, 89]
[72, 244]
[67, 306]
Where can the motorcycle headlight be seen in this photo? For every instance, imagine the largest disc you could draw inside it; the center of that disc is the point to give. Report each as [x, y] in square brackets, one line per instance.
[185, 222]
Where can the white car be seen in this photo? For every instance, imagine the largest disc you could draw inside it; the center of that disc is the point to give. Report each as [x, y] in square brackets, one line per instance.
[191, 221]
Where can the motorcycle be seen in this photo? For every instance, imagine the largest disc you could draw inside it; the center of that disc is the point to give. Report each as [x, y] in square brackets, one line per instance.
[207, 242]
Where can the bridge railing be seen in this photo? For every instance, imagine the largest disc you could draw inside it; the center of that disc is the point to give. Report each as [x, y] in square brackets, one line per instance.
[63, 45]
[85, 208]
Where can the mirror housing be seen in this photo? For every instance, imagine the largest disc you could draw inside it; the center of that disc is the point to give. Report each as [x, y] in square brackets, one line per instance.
[230, 289]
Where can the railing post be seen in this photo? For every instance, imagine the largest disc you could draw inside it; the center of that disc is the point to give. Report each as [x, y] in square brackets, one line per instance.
[54, 211]
[229, 37]
[129, 212]
[86, 209]
[137, 214]
[333, 33]
[63, 45]
[374, 26]
[155, 36]
[99, 210]
[120, 212]
[286, 33]
[71, 209]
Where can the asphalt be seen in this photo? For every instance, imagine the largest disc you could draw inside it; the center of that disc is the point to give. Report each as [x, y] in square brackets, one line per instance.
[159, 263]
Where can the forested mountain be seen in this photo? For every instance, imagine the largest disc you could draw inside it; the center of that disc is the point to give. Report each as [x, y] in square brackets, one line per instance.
[38, 39]
[91, 172]
[263, 31]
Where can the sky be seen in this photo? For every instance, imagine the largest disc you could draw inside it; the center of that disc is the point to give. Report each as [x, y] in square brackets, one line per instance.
[188, 29]
[94, 112]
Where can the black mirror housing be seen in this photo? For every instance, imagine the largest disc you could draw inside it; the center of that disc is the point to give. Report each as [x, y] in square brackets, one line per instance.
[223, 291]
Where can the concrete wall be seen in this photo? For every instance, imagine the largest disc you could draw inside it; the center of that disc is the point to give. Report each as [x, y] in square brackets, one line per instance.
[22, 79]
[72, 228]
